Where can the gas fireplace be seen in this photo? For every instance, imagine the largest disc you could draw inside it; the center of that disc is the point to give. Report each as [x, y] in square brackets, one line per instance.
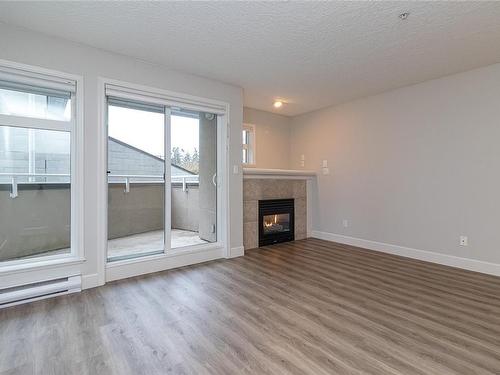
[276, 221]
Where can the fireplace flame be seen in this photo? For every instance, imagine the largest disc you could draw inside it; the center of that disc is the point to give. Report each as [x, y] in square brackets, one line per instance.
[271, 223]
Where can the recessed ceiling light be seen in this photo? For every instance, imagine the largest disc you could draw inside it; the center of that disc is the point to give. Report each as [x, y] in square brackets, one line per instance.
[404, 15]
[278, 104]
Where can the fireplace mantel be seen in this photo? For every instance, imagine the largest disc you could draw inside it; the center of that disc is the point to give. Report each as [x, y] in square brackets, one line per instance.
[289, 174]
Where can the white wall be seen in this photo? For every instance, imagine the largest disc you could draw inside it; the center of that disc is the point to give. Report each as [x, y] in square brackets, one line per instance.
[27, 47]
[415, 167]
[272, 138]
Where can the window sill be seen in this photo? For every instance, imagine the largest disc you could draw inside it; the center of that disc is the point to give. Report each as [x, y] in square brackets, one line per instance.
[194, 249]
[13, 267]
[162, 262]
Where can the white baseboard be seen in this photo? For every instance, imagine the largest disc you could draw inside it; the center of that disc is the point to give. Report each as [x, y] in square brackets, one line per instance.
[90, 281]
[428, 256]
[237, 252]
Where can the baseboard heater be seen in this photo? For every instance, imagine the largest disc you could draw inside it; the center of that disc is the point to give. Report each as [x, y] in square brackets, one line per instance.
[40, 290]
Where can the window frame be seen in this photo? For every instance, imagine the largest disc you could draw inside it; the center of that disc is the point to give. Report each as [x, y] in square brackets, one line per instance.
[250, 146]
[59, 263]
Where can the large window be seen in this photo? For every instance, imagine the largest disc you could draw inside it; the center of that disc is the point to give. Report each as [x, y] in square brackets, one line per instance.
[162, 177]
[34, 104]
[36, 159]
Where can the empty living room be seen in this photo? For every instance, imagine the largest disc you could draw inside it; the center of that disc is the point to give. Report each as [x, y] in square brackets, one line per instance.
[250, 187]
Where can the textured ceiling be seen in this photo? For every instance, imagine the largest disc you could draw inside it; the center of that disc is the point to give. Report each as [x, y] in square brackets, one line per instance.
[311, 54]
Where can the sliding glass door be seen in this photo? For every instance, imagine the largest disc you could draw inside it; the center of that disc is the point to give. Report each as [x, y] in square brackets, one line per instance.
[162, 178]
[136, 185]
[193, 178]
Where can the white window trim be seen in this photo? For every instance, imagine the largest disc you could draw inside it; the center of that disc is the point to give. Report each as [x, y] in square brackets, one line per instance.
[36, 123]
[251, 147]
[40, 268]
[108, 271]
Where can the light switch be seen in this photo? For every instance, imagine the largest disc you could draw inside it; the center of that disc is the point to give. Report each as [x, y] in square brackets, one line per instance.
[236, 169]
[325, 163]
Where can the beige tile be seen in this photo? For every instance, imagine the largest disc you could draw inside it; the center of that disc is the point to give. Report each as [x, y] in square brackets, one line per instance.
[277, 189]
[250, 235]
[269, 189]
[251, 189]
[300, 218]
[299, 189]
[250, 211]
[300, 207]
[300, 235]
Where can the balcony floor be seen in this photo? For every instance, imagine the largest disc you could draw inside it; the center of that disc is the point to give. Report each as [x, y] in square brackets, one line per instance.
[134, 245]
[150, 241]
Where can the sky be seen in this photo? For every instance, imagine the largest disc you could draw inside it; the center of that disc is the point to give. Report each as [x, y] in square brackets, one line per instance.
[144, 130]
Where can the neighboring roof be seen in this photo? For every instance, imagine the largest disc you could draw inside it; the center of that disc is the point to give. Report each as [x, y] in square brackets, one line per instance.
[181, 168]
[148, 154]
[134, 148]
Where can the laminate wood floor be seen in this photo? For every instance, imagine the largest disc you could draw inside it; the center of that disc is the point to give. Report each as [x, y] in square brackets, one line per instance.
[306, 307]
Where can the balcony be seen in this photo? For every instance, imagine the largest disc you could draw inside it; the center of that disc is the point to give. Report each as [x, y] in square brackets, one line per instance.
[135, 214]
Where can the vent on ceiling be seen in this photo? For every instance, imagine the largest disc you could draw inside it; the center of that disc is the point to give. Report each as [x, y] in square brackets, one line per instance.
[36, 291]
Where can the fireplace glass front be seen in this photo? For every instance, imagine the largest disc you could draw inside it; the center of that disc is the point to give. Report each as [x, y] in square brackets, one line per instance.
[276, 221]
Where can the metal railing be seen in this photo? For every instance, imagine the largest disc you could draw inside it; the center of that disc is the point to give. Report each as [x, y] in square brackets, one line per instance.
[14, 177]
[139, 178]
[185, 179]
[126, 179]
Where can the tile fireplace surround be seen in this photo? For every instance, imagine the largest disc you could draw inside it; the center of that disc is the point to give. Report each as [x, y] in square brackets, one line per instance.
[261, 184]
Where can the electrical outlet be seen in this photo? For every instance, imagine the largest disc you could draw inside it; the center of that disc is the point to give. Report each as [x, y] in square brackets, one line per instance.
[464, 241]
[345, 223]
[302, 163]
[236, 169]
[326, 171]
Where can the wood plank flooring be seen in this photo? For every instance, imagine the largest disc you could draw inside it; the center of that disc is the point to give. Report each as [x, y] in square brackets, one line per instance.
[306, 307]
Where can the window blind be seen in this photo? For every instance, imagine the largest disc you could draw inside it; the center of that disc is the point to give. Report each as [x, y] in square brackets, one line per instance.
[21, 80]
[166, 99]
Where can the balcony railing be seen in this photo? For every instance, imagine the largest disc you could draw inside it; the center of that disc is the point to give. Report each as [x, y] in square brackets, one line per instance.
[126, 179]
[14, 179]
